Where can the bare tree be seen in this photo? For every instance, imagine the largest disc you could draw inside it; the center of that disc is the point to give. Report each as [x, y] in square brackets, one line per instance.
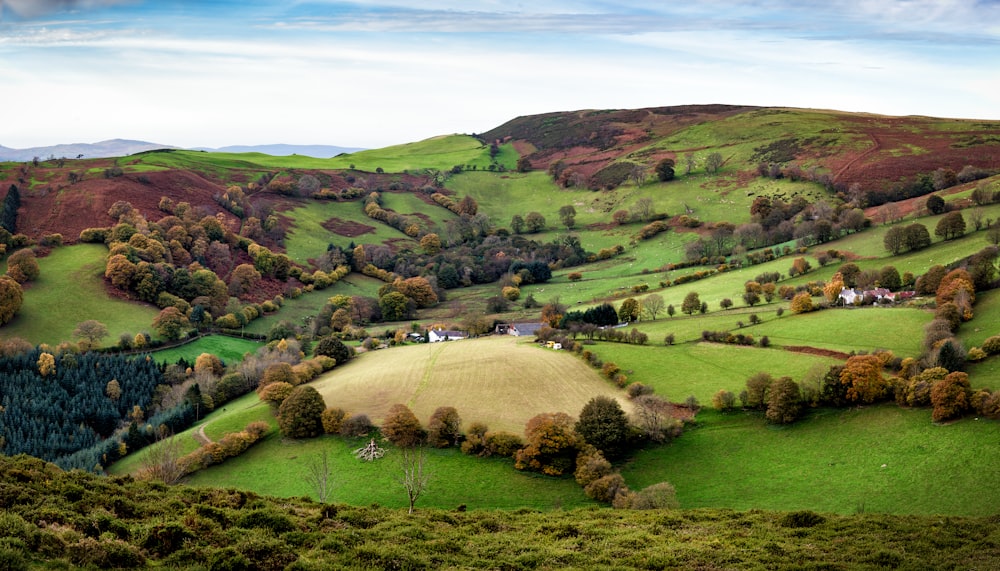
[714, 162]
[643, 208]
[653, 304]
[689, 162]
[415, 476]
[319, 475]
[638, 174]
[161, 460]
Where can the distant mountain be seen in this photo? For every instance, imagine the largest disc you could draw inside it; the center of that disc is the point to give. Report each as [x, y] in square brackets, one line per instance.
[124, 147]
[279, 150]
[110, 148]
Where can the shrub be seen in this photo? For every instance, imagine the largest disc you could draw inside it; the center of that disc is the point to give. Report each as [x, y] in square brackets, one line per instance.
[606, 488]
[501, 443]
[333, 420]
[992, 345]
[723, 400]
[356, 425]
[655, 497]
[801, 519]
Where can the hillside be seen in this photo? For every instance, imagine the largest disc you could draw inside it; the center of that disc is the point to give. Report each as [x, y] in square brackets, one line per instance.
[121, 523]
[715, 239]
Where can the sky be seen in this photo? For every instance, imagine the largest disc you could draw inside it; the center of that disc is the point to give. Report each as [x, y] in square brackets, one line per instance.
[372, 74]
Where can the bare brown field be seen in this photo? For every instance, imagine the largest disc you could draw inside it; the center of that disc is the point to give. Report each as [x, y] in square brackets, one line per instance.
[502, 381]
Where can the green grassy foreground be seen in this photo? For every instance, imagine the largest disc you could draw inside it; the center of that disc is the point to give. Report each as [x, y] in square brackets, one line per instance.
[881, 459]
[116, 522]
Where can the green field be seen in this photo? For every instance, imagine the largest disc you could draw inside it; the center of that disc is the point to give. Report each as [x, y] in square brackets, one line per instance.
[229, 349]
[882, 459]
[702, 369]
[70, 289]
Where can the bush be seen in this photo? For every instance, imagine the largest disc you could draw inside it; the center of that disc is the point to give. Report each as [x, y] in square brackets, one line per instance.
[991, 345]
[801, 519]
[356, 425]
[501, 443]
[655, 497]
[333, 420]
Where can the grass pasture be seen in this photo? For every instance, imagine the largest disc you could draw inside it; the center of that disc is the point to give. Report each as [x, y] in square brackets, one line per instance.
[881, 459]
[440, 153]
[70, 289]
[229, 349]
[277, 467]
[702, 369]
[501, 381]
[307, 237]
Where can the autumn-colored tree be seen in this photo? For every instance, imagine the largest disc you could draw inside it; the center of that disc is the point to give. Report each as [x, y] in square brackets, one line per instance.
[591, 465]
[22, 266]
[275, 393]
[209, 363]
[784, 401]
[799, 267]
[691, 303]
[603, 424]
[277, 373]
[951, 396]
[46, 364]
[300, 415]
[243, 279]
[802, 303]
[91, 332]
[333, 420]
[551, 444]
[402, 428]
[833, 288]
[758, 387]
[862, 376]
[11, 298]
[723, 400]
[950, 226]
[431, 244]
[552, 314]
[171, 323]
[467, 205]
[444, 428]
[629, 310]
[957, 287]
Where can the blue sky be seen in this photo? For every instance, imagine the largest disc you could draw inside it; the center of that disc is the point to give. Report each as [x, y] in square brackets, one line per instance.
[371, 74]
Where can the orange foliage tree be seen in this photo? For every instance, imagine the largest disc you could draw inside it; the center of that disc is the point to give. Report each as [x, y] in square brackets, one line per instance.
[950, 396]
[862, 375]
[552, 444]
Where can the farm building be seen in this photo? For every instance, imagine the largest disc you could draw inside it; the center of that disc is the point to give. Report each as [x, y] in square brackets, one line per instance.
[519, 329]
[435, 335]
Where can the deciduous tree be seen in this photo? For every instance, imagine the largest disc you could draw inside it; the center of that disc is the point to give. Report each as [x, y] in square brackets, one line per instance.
[402, 428]
[444, 427]
[665, 170]
[784, 401]
[603, 424]
[653, 305]
[691, 303]
[91, 331]
[629, 310]
[11, 298]
[171, 323]
[551, 444]
[950, 396]
[22, 266]
[862, 376]
[300, 415]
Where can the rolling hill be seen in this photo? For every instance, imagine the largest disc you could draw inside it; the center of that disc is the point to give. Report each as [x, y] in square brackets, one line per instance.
[611, 230]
